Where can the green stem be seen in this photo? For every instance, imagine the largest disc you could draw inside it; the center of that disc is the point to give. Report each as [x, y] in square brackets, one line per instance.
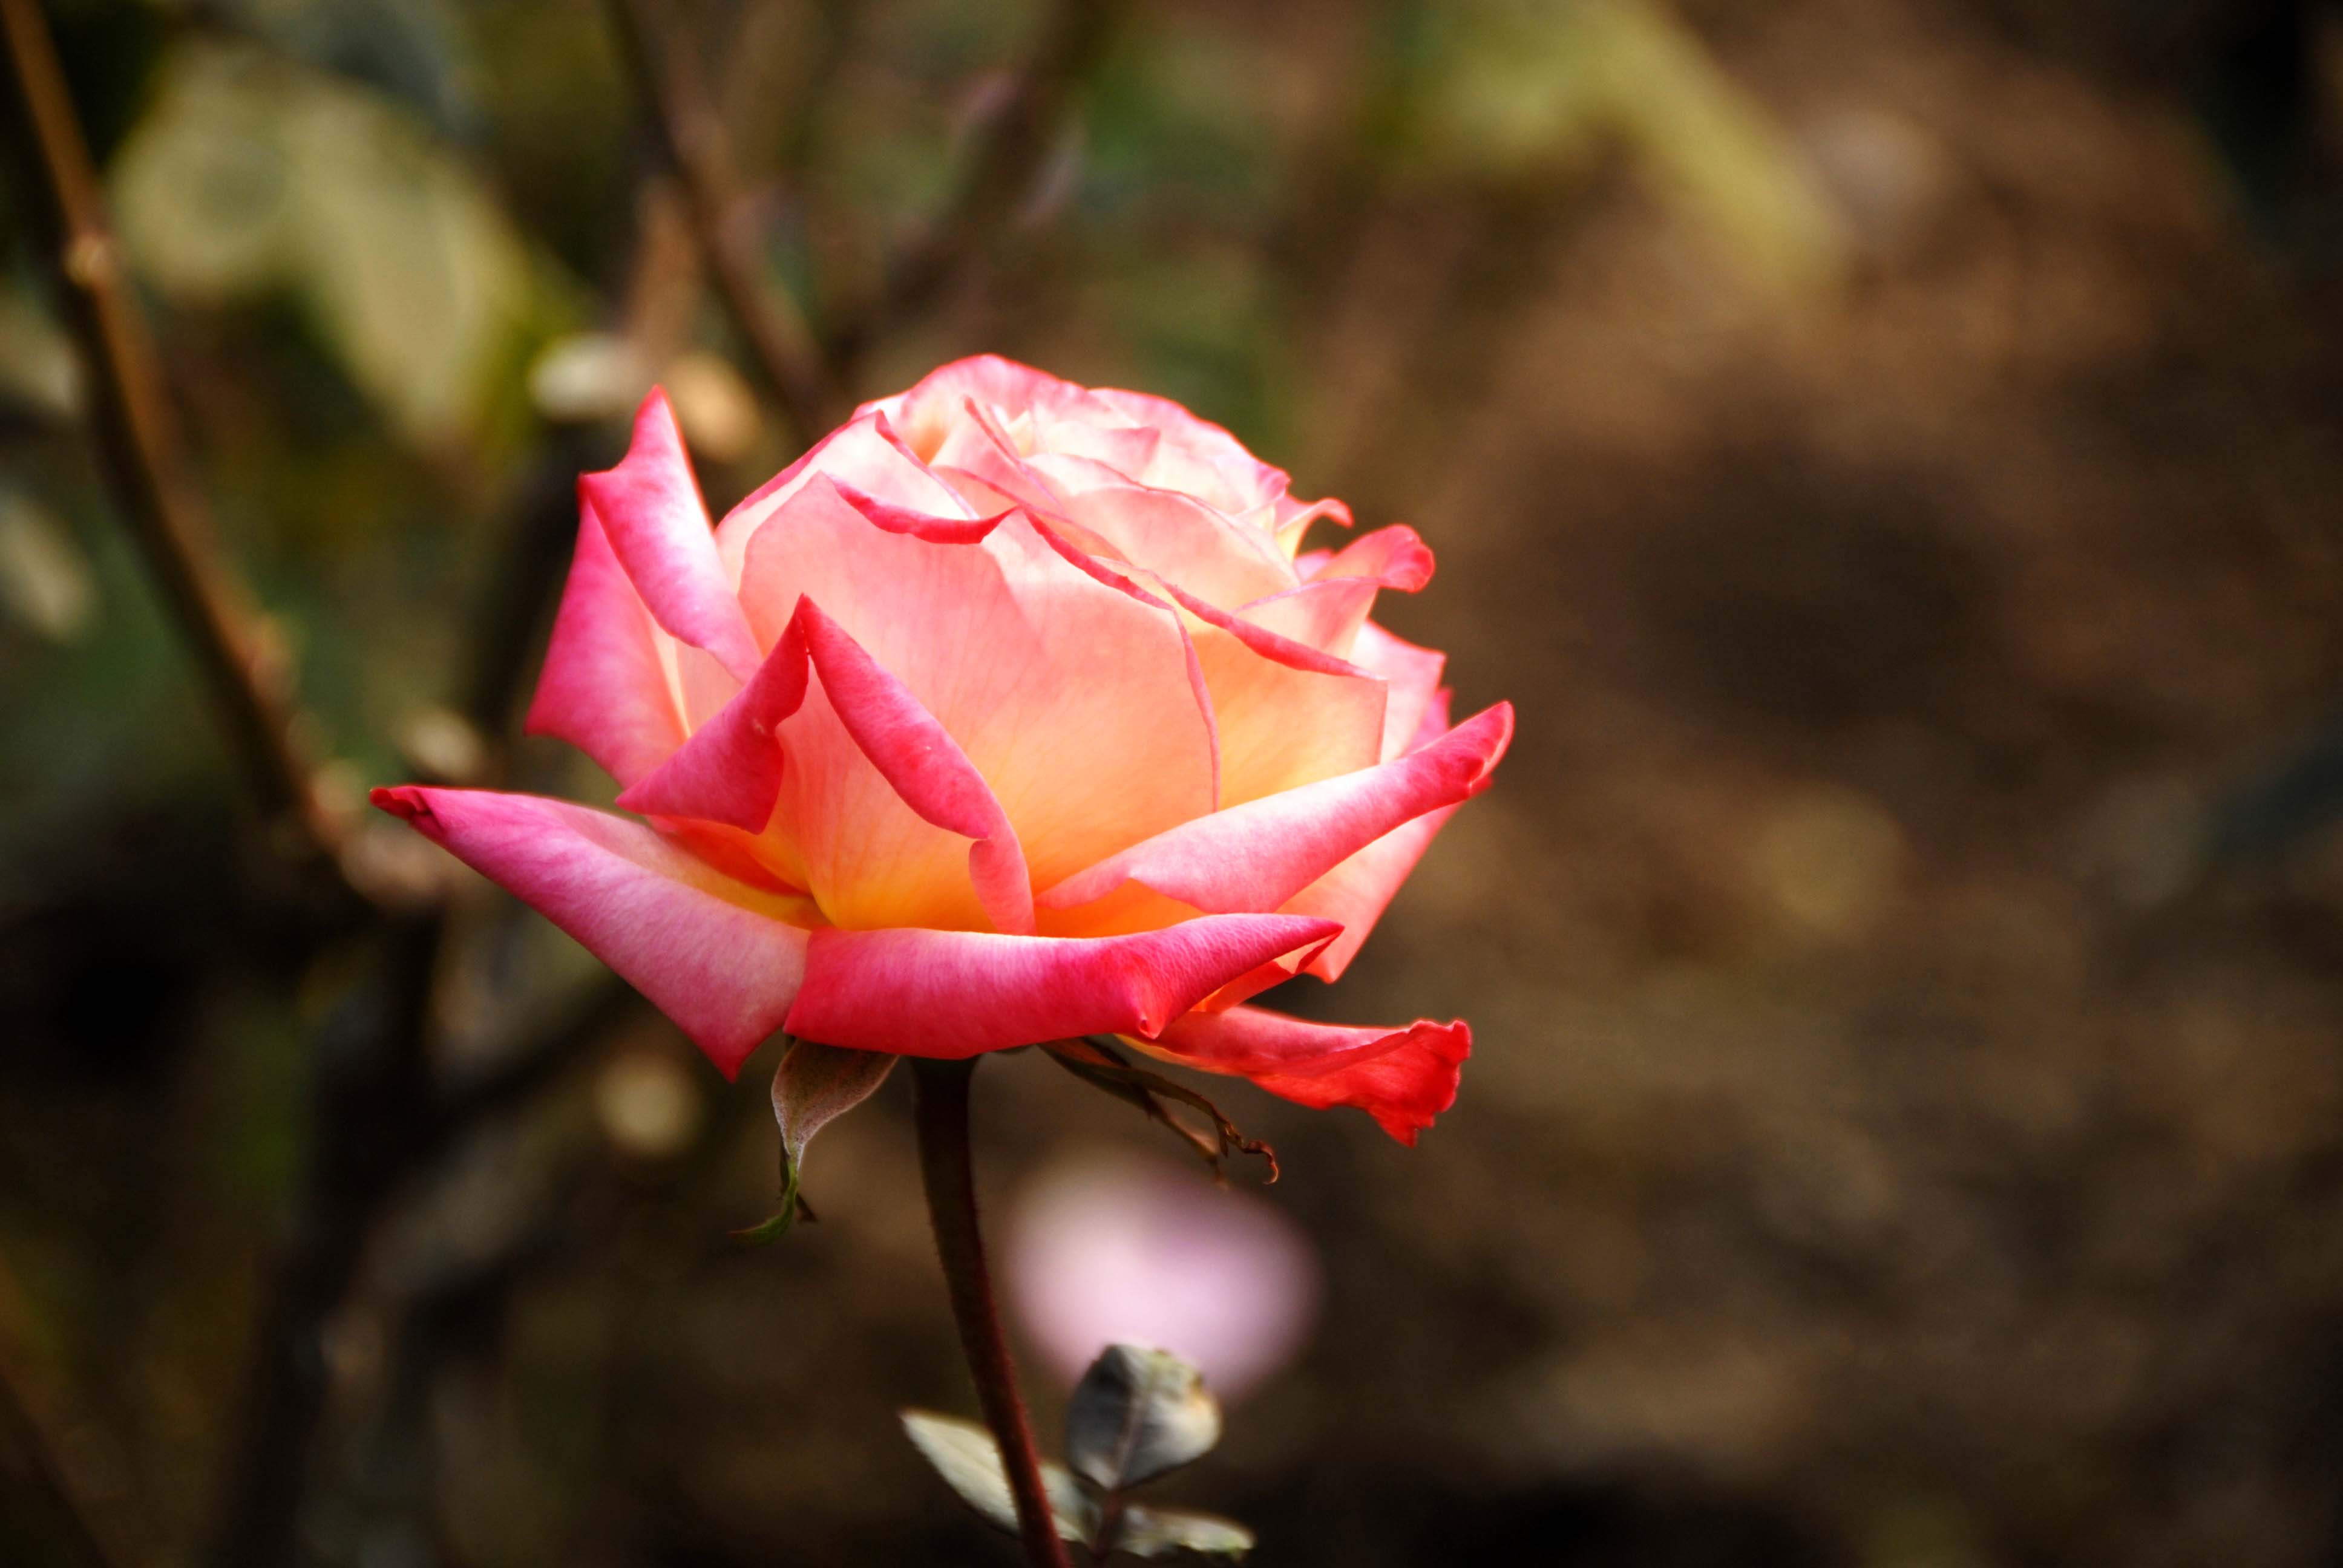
[950, 1180]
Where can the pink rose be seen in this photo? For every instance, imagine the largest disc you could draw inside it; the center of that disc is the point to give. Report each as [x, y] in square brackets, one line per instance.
[1006, 714]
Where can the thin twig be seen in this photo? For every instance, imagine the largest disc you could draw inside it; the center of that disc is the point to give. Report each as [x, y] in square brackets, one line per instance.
[146, 460]
[692, 142]
[999, 177]
[24, 1433]
[379, 1120]
[33, 1407]
[950, 1177]
[565, 1041]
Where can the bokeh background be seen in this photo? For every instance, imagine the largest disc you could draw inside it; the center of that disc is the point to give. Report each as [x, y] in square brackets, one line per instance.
[1887, 449]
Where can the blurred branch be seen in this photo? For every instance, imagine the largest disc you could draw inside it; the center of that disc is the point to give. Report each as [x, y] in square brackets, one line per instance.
[566, 1040]
[379, 1120]
[999, 179]
[692, 142]
[535, 551]
[23, 1428]
[145, 462]
[371, 1095]
[25, 1435]
[380, 1123]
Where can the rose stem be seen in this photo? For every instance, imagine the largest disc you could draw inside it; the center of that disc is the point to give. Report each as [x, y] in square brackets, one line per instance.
[944, 1164]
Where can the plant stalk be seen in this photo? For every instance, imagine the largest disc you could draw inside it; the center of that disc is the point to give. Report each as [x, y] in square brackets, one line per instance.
[951, 1180]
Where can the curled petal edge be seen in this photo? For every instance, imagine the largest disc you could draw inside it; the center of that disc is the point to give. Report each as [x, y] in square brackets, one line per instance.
[721, 958]
[1256, 856]
[1404, 1078]
[731, 771]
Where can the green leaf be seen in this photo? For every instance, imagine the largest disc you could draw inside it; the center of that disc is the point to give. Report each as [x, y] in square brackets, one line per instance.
[813, 1087]
[1167, 1531]
[1137, 1413]
[969, 1460]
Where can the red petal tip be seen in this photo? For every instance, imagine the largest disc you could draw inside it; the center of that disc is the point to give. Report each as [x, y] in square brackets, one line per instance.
[403, 801]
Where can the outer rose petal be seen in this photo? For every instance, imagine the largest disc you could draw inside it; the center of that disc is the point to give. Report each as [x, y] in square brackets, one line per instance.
[958, 993]
[721, 958]
[1357, 891]
[606, 689]
[1412, 677]
[659, 525]
[1402, 1078]
[1394, 557]
[1256, 856]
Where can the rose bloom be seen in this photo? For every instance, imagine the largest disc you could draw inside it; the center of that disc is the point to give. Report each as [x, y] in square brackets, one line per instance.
[1007, 714]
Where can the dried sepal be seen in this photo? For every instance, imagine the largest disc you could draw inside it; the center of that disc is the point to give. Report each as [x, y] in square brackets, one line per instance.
[1096, 1061]
[813, 1086]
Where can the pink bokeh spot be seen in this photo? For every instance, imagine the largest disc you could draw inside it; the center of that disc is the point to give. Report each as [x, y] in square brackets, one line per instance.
[1106, 1249]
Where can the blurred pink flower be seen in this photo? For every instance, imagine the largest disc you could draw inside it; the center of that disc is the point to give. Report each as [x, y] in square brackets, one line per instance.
[1103, 1250]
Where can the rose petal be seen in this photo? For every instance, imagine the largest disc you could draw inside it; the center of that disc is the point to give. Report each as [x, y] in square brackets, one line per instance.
[1325, 616]
[1072, 700]
[606, 689]
[1292, 518]
[658, 527]
[1196, 452]
[1393, 558]
[1285, 713]
[1357, 891]
[866, 453]
[1256, 856]
[1404, 1078]
[1412, 675]
[730, 771]
[721, 958]
[1175, 536]
[925, 411]
[957, 993]
[926, 766]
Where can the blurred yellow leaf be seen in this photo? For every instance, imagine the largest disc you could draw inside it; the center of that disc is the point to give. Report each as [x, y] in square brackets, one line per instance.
[45, 582]
[250, 176]
[1530, 88]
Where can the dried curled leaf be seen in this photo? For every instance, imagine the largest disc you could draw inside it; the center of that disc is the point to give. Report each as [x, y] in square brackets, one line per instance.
[1095, 1060]
[813, 1087]
[969, 1460]
[1138, 1413]
[1153, 1532]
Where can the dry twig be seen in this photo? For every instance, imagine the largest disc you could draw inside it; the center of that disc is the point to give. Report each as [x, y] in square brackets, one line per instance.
[145, 462]
[692, 142]
[998, 180]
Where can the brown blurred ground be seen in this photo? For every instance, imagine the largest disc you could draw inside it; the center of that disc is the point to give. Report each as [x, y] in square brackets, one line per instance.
[1886, 450]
